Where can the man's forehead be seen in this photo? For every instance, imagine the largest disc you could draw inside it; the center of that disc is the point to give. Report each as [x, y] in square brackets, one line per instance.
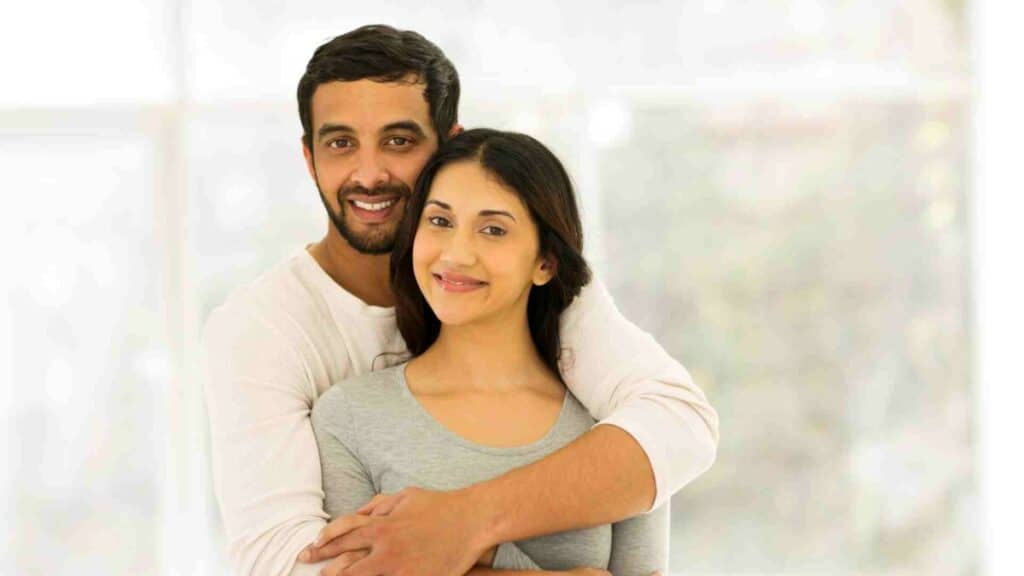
[368, 105]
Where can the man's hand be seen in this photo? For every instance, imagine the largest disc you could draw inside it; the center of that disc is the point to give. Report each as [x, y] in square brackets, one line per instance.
[327, 544]
[413, 532]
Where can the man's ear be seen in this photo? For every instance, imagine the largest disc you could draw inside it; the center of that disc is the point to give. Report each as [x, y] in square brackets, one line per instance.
[308, 155]
[546, 270]
[456, 129]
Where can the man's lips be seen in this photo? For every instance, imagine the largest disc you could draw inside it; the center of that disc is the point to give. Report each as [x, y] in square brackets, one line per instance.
[372, 208]
[452, 282]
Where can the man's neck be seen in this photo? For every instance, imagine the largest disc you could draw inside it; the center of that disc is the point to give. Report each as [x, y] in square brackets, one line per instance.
[365, 276]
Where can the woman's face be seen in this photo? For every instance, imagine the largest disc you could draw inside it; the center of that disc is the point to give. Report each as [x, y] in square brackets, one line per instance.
[476, 252]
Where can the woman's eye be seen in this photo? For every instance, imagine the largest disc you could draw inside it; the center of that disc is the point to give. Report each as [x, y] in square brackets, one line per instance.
[438, 221]
[493, 231]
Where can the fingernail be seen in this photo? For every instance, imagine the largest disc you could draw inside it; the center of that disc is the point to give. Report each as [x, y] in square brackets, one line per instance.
[305, 555]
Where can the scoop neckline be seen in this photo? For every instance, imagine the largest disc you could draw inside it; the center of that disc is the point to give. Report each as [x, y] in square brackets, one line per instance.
[424, 414]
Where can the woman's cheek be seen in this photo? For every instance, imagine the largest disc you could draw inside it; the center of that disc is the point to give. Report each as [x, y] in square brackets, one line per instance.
[422, 249]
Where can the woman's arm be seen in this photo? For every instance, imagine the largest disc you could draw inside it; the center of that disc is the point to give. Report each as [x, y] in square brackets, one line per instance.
[640, 544]
[582, 571]
[347, 484]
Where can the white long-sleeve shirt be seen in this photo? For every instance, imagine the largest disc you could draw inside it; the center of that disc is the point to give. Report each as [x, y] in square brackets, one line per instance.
[279, 343]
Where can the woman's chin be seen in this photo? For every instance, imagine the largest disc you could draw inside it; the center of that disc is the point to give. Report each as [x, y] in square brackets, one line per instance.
[455, 317]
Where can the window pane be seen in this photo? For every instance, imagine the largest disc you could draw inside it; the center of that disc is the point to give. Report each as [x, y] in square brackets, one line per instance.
[71, 54]
[87, 355]
[808, 263]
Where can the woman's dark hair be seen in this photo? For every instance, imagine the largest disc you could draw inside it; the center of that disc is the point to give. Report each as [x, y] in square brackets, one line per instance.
[528, 168]
[384, 54]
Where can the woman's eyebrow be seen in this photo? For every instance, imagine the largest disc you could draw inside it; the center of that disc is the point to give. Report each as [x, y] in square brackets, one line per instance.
[497, 213]
[448, 207]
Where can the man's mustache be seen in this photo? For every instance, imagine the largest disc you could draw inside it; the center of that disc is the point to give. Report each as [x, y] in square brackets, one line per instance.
[398, 189]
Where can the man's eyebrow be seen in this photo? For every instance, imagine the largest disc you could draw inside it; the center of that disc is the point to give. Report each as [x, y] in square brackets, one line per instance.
[329, 128]
[408, 125]
[481, 213]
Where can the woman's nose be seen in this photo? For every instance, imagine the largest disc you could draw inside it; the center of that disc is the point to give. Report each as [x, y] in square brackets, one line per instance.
[458, 251]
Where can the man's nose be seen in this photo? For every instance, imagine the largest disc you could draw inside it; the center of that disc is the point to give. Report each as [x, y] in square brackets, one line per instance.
[370, 170]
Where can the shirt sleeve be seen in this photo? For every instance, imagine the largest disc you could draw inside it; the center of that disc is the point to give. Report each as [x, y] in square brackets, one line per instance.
[640, 544]
[626, 379]
[266, 470]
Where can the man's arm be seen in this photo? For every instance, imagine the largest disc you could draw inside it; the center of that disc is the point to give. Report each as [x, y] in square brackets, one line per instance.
[626, 379]
[657, 433]
[265, 464]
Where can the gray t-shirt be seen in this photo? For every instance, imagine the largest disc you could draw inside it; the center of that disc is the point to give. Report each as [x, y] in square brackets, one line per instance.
[375, 437]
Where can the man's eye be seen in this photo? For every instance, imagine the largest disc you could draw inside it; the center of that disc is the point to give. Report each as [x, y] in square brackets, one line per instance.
[340, 143]
[439, 221]
[398, 141]
[493, 231]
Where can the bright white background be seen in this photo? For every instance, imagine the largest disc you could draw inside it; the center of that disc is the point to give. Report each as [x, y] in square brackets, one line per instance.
[815, 205]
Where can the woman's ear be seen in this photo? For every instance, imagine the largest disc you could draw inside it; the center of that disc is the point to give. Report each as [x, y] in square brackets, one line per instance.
[547, 266]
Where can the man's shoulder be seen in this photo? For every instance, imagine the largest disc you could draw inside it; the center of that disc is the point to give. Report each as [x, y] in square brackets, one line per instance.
[282, 295]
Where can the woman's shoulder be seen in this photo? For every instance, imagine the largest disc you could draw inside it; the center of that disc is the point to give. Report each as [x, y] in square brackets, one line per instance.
[575, 417]
[352, 397]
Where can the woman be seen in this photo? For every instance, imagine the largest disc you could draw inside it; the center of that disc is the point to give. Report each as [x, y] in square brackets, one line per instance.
[487, 258]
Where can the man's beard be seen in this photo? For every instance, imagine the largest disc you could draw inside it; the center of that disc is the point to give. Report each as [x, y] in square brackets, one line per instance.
[379, 240]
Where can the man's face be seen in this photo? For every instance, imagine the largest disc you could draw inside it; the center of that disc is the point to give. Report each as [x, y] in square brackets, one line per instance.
[370, 141]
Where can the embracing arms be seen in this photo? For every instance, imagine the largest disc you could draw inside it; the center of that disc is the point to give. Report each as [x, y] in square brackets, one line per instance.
[656, 433]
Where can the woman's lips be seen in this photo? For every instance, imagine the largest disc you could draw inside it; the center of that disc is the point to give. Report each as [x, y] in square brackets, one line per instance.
[451, 282]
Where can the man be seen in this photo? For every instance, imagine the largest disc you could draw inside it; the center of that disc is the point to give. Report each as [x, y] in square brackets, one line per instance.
[375, 103]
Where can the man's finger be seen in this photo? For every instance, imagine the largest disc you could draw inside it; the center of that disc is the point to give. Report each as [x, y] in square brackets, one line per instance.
[344, 560]
[381, 504]
[339, 527]
[331, 549]
[355, 539]
[386, 505]
[369, 565]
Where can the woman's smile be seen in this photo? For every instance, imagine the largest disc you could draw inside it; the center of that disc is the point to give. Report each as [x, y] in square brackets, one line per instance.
[453, 282]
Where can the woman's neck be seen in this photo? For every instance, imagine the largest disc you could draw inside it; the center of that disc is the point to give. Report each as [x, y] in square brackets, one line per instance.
[494, 357]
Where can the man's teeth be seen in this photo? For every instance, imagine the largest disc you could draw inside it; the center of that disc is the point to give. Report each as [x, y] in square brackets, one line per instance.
[374, 206]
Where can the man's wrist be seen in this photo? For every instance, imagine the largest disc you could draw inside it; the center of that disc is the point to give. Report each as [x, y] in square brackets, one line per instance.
[486, 517]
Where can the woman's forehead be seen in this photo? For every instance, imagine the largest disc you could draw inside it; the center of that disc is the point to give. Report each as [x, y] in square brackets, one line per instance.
[468, 186]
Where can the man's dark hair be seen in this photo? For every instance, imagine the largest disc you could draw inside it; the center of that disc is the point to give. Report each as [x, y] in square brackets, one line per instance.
[384, 54]
[529, 169]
